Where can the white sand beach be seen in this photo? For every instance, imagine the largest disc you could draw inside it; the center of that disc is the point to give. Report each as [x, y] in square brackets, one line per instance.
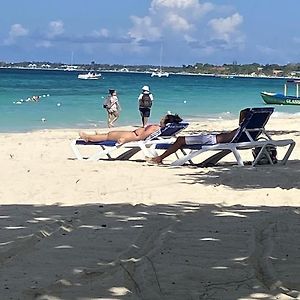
[112, 229]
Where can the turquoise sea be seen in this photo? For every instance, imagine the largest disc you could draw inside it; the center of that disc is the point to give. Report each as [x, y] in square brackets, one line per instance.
[68, 102]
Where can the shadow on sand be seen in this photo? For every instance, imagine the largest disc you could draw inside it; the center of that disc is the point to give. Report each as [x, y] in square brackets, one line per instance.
[182, 251]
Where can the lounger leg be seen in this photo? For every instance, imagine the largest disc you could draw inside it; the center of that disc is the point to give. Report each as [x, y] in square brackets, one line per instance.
[188, 157]
[262, 152]
[75, 150]
[288, 153]
[99, 154]
[238, 157]
[214, 159]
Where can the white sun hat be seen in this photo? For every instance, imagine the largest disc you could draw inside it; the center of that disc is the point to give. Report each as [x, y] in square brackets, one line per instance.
[146, 88]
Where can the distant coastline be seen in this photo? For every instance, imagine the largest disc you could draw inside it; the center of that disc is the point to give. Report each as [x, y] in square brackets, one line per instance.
[80, 69]
[253, 70]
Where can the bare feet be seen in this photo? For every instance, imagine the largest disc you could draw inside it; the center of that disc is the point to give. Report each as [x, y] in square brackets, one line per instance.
[155, 160]
[84, 136]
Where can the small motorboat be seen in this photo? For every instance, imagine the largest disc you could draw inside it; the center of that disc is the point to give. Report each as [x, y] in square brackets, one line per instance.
[160, 73]
[90, 75]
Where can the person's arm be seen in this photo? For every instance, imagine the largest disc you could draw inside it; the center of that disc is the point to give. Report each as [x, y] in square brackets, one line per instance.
[107, 102]
[118, 104]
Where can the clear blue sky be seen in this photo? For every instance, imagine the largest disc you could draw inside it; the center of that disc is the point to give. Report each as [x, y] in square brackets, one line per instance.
[132, 31]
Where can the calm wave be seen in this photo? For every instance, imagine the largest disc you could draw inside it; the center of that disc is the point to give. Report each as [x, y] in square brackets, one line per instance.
[68, 102]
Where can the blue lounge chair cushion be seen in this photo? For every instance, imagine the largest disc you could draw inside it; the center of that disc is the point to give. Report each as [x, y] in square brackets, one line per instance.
[105, 143]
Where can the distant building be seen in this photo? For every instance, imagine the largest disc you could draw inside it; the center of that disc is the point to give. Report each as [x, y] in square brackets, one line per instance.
[32, 66]
[277, 72]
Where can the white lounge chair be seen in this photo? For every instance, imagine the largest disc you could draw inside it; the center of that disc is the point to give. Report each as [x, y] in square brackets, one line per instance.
[247, 137]
[107, 148]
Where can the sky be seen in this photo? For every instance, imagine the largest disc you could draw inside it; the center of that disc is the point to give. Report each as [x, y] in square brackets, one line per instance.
[150, 32]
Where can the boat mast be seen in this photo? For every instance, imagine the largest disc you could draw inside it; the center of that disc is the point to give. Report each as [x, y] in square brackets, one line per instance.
[160, 57]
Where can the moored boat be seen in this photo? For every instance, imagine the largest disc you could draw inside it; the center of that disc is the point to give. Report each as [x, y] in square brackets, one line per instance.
[283, 99]
[160, 73]
[89, 75]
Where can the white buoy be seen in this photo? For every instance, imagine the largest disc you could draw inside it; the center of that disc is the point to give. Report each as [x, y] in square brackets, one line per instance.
[58, 104]
[48, 95]
[184, 101]
[43, 120]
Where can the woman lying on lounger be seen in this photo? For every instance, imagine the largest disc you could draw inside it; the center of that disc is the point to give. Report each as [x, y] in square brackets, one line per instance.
[138, 134]
[202, 139]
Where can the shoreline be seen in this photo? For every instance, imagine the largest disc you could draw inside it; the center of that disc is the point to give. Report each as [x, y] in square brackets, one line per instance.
[279, 116]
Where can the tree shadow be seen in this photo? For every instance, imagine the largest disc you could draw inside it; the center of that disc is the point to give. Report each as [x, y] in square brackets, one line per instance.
[119, 251]
[247, 177]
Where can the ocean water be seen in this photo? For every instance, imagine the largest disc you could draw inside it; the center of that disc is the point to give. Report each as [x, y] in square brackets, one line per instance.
[68, 102]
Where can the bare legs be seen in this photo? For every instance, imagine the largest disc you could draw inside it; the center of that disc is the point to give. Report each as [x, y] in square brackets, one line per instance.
[144, 121]
[119, 136]
[180, 141]
[93, 137]
[112, 117]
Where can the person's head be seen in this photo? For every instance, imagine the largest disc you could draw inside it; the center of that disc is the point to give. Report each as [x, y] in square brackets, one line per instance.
[112, 92]
[169, 118]
[146, 89]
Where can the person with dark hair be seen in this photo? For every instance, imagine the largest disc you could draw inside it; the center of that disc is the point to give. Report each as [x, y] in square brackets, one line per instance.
[112, 107]
[145, 103]
[138, 134]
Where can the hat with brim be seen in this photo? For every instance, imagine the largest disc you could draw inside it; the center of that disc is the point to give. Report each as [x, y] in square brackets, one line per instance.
[146, 89]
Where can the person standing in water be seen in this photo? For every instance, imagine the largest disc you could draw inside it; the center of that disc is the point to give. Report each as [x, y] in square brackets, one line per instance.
[112, 106]
[145, 103]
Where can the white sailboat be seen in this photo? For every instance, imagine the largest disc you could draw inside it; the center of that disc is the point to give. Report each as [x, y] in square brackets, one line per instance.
[160, 72]
[71, 67]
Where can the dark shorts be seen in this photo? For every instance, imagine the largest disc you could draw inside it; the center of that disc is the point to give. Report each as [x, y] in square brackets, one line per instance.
[145, 111]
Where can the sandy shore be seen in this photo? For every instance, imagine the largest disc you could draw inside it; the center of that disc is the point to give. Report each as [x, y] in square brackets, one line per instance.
[128, 230]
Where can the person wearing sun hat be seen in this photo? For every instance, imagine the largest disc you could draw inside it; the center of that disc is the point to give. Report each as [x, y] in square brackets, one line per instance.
[145, 103]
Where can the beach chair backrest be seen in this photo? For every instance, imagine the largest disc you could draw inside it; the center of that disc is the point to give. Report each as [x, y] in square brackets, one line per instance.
[253, 123]
[171, 129]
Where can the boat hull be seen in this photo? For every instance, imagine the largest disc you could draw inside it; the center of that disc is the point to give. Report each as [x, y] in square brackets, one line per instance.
[89, 76]
[160, 74]
[274, 98]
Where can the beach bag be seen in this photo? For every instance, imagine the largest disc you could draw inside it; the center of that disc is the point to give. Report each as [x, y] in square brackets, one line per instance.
[272, 151]
[145, 101]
